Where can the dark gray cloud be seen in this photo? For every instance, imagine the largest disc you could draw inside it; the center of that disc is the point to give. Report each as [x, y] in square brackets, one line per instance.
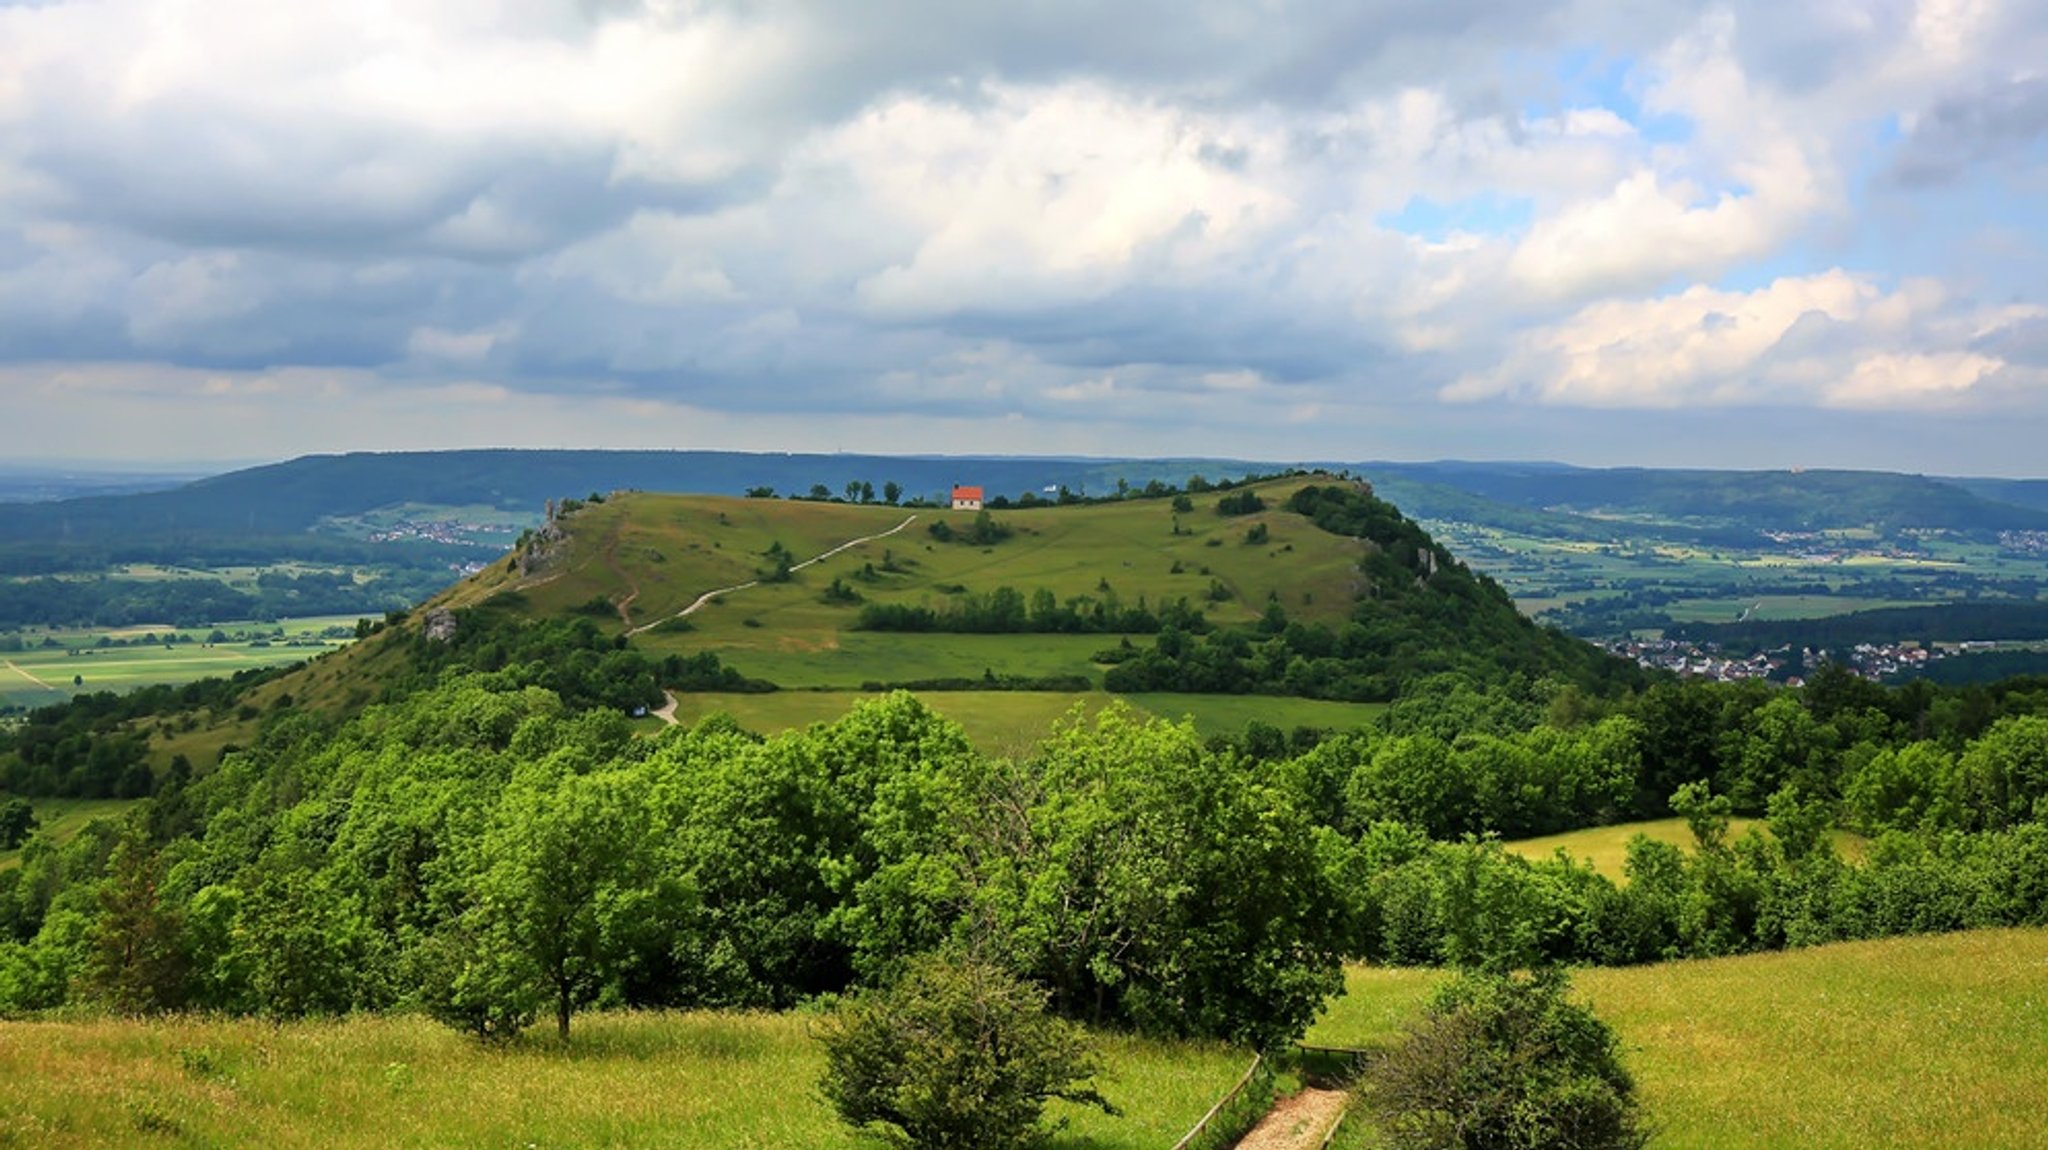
[1996, 122]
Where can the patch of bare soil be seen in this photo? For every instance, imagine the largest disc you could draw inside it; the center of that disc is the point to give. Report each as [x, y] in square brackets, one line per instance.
[1296, 1123]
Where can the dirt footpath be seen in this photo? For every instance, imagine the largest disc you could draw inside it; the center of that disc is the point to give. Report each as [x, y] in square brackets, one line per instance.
[1297, 1123]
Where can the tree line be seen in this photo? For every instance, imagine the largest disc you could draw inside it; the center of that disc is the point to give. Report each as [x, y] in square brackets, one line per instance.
[1006, 610]
[485, 851]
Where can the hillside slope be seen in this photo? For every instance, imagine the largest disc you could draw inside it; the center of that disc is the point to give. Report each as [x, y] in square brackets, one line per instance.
[1068, 597]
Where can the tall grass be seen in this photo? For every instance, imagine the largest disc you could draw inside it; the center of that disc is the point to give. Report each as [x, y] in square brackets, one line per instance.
[675, 1080]
[1931, 1041]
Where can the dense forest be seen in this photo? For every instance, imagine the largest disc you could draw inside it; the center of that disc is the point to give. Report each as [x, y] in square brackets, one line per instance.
[491, 845]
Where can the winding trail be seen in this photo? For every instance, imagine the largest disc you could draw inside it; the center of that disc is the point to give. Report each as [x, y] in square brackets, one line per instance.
[23, 672]
[667, 711]
[708, 596]
[1297, 1123]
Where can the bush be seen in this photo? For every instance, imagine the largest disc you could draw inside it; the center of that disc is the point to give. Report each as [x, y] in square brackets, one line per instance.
[958, 1054]
[1500, 1062]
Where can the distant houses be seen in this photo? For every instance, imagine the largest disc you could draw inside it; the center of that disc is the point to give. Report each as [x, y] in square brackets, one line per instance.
[966, 498]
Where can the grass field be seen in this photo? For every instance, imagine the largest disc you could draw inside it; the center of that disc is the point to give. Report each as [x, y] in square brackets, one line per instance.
[651, 556]
[1012, 722]
[711, 1081]
[63, 818]
[1925, 1042]
[1607, 847]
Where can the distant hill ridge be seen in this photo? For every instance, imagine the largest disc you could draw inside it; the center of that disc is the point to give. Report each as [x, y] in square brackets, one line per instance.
[279, 509]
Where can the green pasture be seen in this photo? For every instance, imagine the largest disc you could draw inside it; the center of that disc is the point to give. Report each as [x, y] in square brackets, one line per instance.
[1543, 573]
[1607, 847]
[1768, 608]
[714, 1081]
[654, 555]
[1932, 1041]
[40, 675]
[61, 819]
[851, 658]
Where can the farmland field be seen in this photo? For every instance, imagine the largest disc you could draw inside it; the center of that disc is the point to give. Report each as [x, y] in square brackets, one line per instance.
[57, 664]
[711, 1081]
[1931, 1041]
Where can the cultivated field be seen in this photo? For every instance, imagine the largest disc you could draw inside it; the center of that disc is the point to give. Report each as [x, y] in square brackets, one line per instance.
[1932, 1041]
[57, 664]
[687, 1081]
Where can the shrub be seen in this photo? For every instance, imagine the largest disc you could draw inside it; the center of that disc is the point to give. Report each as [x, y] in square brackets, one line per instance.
[958, 1054]
[1503, 1062]
[1240, 503]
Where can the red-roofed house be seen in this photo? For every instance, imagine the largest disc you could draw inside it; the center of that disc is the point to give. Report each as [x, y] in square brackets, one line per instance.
[966, 498]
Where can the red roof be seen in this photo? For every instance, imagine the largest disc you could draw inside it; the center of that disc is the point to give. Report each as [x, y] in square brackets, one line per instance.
[973, 493]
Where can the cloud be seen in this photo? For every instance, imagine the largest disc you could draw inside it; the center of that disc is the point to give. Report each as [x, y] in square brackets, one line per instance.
[1833, 340]
[1257, 219]
[1997, 121]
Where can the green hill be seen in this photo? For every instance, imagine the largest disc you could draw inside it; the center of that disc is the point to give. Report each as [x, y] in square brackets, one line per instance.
[1323, 592]
[877, 594]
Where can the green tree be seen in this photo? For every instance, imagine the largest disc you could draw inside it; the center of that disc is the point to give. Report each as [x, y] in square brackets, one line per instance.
[892, 491]
[1503, 1062]
[957, 1055]
[562, 862]
[17, 822]
[136, 962]
[1160, 885]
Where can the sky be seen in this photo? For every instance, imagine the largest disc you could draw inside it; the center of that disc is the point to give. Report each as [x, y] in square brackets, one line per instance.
[1602, 232]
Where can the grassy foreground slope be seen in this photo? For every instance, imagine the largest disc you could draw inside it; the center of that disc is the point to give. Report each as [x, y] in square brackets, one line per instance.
[687, 1081]
[1926, 1041]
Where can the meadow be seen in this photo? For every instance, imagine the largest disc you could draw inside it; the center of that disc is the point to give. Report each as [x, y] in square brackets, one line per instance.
[1932, 1041]
[62, 819]
[1607, 847]
[646, 558]
[1929, 1041]
[716, 1081]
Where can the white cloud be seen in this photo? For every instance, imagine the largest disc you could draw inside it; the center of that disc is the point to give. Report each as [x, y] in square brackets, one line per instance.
[1039, 214]
[1833, 339]
[1757, 180]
